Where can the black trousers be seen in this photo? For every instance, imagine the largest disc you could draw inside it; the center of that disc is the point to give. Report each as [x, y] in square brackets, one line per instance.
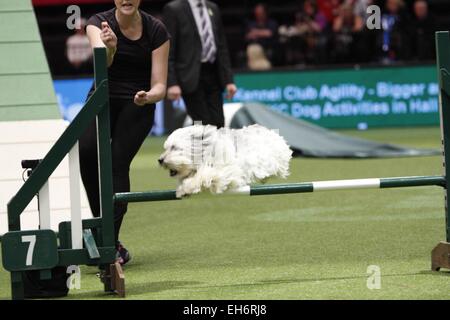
[130, 125]
[205, 104]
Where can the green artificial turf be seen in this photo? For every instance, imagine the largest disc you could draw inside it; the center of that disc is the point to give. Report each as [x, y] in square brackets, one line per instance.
[304, 246]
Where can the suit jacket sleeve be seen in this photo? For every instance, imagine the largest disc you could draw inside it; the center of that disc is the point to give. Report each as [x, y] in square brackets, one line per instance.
[170, 20]
[223, 51]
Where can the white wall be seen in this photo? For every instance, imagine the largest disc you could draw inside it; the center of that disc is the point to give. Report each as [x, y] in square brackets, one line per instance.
[21, 140]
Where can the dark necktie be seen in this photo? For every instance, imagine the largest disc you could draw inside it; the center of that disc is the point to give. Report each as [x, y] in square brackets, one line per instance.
[208, 49]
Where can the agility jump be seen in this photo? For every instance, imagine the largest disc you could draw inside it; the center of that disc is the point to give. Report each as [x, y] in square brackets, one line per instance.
[304, 187]
[91, 241]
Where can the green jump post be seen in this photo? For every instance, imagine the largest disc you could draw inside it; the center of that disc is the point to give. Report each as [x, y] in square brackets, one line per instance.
[440, 257]
[104, 154]
[443, 63]
[112, 274]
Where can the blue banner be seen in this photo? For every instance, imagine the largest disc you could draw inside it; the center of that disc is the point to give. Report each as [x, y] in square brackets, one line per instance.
[71, 96]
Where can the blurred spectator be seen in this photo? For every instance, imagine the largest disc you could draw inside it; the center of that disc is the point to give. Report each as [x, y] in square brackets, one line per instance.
[360, 8]
[305, 41]
[263, 31]
[329, 8]
[422, 44]
[307, 21]
[394, 21]
[256, 58]
[346, 34]
[366, 40]
[79, 51]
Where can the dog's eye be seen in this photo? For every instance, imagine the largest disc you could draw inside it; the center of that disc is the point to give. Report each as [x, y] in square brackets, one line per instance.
[173, 148]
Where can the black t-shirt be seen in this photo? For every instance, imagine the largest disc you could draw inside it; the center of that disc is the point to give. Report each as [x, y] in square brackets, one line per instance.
[131, 69]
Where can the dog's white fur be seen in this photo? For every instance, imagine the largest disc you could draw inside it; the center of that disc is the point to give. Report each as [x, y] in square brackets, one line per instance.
[207, 158]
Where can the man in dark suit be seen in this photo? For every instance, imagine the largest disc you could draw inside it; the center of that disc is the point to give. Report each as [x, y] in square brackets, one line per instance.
[199, 62]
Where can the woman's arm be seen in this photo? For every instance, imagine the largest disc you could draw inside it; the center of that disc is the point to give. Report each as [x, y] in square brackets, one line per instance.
[104, 38]
[160, 58]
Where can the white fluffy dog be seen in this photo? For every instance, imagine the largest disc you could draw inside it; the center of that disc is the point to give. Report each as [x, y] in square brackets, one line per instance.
[207, 158]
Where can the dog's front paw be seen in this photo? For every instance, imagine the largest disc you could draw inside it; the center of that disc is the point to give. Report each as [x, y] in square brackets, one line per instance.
[180, 192]
[188, 187]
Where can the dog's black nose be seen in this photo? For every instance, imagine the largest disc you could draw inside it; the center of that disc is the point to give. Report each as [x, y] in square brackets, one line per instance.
[160, 161]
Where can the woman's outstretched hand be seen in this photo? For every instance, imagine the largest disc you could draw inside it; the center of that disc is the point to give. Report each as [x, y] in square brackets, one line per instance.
[141, 98]
[108, 36]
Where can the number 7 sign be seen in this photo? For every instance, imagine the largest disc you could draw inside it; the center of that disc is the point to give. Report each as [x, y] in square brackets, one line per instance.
[29, 250]
[32, 240]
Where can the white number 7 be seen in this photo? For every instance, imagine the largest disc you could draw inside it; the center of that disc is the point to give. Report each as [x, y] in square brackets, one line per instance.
[32, 240]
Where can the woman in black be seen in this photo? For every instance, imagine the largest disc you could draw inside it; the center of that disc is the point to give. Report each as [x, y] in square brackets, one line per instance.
[137, 48]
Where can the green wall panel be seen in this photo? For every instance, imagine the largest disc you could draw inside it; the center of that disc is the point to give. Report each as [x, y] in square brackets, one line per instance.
[27, 58]
[26, 88]
[15, 5]
[18, 26]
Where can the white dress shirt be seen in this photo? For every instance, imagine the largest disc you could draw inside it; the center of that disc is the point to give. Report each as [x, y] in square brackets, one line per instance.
[196, 11]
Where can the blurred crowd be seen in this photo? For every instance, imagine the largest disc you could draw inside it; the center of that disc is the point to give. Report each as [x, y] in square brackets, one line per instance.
[335, 31]
[320, 32]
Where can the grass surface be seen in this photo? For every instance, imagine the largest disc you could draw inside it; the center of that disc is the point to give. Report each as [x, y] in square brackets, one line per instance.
[308, 246]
